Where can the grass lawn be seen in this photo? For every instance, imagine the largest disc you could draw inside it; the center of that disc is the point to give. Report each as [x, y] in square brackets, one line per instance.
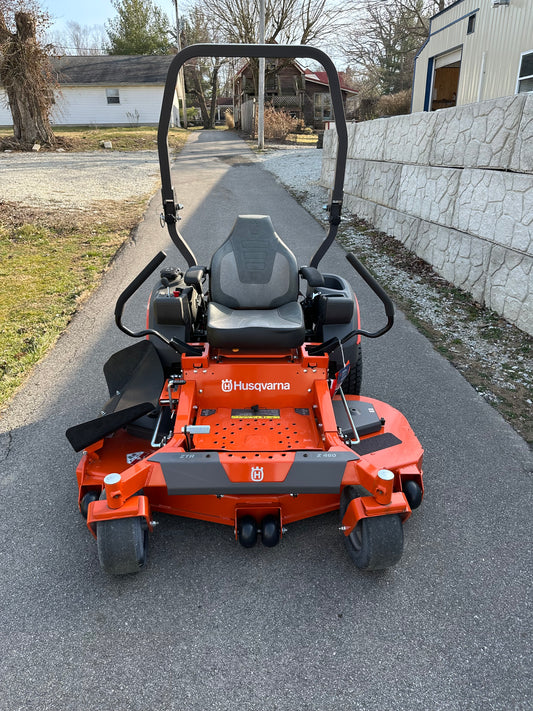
[49, 262]
[51, 259]
[138, 138]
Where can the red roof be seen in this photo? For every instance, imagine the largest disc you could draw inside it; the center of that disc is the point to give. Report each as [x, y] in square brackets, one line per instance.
[315, 77]
[322, 78]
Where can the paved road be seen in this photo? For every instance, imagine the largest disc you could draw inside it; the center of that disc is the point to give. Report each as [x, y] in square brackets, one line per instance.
[210, 625]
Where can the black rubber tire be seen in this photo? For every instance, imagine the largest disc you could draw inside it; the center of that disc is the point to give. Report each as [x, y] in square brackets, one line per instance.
[352, 384]
[86, 500]
[270, 531]
[122, 545]
[376, 543]
[413, 493]
[247, 531]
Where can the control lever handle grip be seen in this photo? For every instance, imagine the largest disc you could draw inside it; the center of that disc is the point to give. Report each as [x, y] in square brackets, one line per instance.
[132, 288]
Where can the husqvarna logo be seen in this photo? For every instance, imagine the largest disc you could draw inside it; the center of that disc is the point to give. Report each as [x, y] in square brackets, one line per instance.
[229, 385]
[257, 474]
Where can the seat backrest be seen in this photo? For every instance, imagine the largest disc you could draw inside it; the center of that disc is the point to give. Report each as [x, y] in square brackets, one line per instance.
[253, 268]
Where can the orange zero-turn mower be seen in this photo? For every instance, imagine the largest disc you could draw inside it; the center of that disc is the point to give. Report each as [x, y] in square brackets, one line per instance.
[240, 402]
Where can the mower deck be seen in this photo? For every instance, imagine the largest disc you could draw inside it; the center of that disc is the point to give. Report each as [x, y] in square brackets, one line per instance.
[260, 456]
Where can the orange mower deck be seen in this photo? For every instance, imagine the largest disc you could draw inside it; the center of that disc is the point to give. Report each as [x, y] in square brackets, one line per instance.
[273, 448]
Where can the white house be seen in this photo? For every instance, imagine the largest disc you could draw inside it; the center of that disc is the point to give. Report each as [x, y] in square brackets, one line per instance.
[476, 50]
[108, 90]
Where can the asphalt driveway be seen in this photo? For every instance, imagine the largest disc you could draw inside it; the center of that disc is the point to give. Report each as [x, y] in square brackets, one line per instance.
[210, 625]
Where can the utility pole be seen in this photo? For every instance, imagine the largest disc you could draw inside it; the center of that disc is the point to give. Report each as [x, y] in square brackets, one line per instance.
[261, 90]
[181, 75]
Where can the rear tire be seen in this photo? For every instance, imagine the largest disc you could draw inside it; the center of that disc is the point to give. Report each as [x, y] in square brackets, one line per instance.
[376, 543]
[122, 545]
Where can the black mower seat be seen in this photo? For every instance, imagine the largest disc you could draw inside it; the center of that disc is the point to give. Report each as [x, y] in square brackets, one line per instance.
[254, 290]
[255, 328]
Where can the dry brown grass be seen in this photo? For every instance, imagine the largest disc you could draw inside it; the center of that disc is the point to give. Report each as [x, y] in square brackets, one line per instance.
[139, 138]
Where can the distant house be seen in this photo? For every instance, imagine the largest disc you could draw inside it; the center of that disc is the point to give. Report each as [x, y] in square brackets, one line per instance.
[317, 89]
[224, 104]
[302, 92]
[476, 50]
[108, 90]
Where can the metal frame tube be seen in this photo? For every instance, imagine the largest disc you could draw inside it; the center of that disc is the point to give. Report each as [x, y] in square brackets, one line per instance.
[250, 50]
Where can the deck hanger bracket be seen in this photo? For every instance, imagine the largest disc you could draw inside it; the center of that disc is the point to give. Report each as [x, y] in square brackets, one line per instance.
[169, 213]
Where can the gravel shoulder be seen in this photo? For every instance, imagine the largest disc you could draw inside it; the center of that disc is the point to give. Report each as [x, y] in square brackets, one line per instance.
[77, 180]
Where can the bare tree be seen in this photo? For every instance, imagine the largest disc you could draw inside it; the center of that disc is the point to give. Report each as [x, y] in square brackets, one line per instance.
[202, 73]
[26, 74]
[286, 21]
[81, 40]
[423, 10]
[384, 39]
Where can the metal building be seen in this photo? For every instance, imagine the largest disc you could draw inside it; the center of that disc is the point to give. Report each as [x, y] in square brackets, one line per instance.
[476, 50]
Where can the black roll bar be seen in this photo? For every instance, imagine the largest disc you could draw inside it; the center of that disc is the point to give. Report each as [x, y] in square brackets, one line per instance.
[270, 51]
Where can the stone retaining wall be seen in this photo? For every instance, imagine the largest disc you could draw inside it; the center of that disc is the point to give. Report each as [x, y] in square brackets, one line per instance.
[456, 187]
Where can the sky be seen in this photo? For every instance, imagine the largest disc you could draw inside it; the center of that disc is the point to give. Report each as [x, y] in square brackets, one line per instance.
[97, 12]
[91, 12]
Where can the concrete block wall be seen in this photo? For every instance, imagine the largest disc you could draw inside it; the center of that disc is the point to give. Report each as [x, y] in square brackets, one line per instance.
[456, 187]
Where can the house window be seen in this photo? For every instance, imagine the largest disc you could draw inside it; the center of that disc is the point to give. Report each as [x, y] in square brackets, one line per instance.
[288, 85]
[525, 75]
[112, 96]
[471, 24]
[271, 83]
[323, 108]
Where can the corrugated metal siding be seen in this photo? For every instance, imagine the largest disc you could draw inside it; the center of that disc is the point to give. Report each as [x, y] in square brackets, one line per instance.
[507, 32]
[88, 105]
[501, 32]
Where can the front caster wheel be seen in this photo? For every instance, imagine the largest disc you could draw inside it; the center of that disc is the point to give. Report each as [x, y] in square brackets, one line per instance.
[88, 498]
[375, 543]
[247, 531]
[122, 545]
[270, 531]
[413, 493]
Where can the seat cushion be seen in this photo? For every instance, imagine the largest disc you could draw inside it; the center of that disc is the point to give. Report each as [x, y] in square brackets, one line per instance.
[253, 268]
[258, 329]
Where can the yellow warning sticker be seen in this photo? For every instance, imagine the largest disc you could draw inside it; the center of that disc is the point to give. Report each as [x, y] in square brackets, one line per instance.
[255, 414]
